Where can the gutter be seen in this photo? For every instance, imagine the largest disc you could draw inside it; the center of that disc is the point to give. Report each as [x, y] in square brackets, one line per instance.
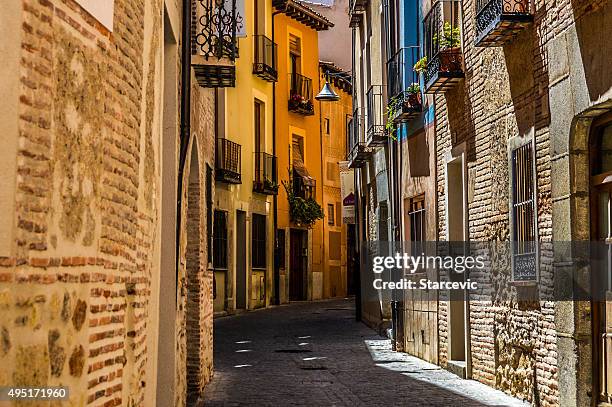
[275, 197]
[185, 135]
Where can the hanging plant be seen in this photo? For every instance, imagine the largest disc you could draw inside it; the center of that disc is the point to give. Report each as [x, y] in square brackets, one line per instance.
[302, 211]
[392, 109]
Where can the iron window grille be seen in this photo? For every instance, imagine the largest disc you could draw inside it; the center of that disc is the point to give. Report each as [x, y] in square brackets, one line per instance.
[524, 231]
[300, 94]
[265, 64]
[442, 46]
[266, 179]
[497, 21]
[220, 240]
[228, 161]
[416, 215]
[258, 241]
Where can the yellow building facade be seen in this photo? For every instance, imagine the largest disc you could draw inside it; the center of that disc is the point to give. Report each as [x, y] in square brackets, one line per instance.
[299, 148]
[335, 117]
[243, 219]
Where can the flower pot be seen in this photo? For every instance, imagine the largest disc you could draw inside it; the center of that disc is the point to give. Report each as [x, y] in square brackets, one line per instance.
[414, 100]
[451, 60]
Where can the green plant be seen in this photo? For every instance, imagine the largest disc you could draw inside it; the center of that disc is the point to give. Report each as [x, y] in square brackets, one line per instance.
[305, 211]
[421, 65]
[391, 112]
[451, 37]
[414, 89]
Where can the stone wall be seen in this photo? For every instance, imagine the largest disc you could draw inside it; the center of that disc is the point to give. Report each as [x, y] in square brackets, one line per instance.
[505, 94]
[76, 299]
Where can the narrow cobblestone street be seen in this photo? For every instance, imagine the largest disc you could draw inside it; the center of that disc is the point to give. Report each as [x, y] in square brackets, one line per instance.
[315, 354]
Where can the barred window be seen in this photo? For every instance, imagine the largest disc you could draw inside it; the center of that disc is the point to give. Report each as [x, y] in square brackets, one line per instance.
[209, 215]
[524, 235]
[220, 240]
[416, 217]
[258, 242]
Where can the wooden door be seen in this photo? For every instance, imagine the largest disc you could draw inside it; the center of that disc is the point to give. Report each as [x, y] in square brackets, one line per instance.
[296, 266]
[602, 293]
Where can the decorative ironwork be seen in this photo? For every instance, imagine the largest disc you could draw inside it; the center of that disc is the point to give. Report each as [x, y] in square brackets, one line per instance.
[442, 31]
[218, 24]
[266, 179]
[498, 21]
[300, 95]
[358, 151]
[265, 64]
[228, 161]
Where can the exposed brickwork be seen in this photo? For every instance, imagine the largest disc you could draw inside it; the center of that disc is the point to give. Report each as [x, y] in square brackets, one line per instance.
[76, 294]
[505, 94]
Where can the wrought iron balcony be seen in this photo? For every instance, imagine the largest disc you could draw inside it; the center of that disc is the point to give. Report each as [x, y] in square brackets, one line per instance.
[265, 64]
[266, 179]
[228, 162]
[300, 95]
[442, 31]
[498, 21]
[215, 42]
[358, 151]
[356, 10]
[404, 85]
[376, 133]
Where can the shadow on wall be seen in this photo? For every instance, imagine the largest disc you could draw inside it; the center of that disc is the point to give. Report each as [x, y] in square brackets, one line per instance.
[418, 154]
[594, 32]
[460, 117]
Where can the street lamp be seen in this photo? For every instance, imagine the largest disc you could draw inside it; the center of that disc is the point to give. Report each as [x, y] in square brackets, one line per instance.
[327, 93]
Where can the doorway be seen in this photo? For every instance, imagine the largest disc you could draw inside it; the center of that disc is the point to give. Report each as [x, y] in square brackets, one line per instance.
[456, 208]
[601, 234]
[297, 265]
[241, 258]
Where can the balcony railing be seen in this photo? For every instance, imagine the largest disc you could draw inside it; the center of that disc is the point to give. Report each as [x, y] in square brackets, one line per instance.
[498, 21]
[300, 95]
[442, 31]
[228, 162]
[358, 151]
[356, 10]
[304, 187]
[265, 64]
[216, 43]
[404, 85]
[265, 180]
[376, 116]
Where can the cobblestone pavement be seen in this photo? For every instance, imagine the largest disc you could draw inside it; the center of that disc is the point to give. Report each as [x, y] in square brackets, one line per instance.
[315, 354]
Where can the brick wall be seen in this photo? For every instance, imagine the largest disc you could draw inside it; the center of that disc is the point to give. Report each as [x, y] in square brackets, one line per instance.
[505, 94]
[75, 292]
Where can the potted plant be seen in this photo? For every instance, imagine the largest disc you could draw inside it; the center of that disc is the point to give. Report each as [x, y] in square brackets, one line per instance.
[414, 96]
[450, 52]
[295, 101]
[421, 65]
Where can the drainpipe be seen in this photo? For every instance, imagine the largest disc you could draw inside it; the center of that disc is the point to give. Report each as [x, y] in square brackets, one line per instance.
[357, 193]
[275, 197]
[185, 135]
